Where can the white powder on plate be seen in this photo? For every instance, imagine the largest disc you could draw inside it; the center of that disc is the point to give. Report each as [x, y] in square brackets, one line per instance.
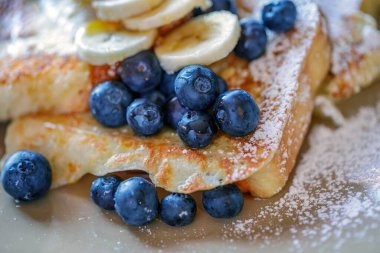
[335, 190]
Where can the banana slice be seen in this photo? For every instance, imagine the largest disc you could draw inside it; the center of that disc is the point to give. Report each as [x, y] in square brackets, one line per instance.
[166, 13]
[113, 10]
[204, 40]
[100, 42]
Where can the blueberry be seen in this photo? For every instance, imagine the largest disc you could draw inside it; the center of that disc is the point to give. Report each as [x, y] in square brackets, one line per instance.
[108, 102]
[218, 5]
[226, 5]
[253, 40]
[198, 11]
[155, 96]
[167, 85]
[136, 201]
[221, 85]
[280, 16]
[103, 191]
[196, 87]
[26, 175]
[236, 113]
[178, 210]
[196, 129]
[223, 202]
[141, 72]
[145, 117]
[174, 112]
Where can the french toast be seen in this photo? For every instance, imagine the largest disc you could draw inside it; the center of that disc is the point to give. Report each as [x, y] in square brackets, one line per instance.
[43, 84]
[283, 82]
[355, 41]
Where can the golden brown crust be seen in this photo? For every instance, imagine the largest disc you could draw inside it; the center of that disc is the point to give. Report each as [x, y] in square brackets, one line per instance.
[99, 74]
[43, 84]
[14, 70]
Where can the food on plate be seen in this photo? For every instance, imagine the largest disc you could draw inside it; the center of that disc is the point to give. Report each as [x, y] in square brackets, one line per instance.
[103, 191]
[101, 43]
[223, 202]
[279, 16]
[236, 113]
[43, 84]
[355, 41]
[164, 14]
[114, 10]
[145, 117]
[196, 129]
[141, 72]
[136, 201]
[282, 82]
[177, 209]
[201, 41]
[235, 91]
[174, 112]
[253, 39]
[196, 87]
[356, 49]
[26, 175]
[108, 103]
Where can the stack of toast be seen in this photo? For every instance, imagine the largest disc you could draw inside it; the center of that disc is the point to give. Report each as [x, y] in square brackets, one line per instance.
[331, 51]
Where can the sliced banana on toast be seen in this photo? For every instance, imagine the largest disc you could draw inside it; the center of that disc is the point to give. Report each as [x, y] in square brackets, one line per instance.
[100, 42]
[166, 13]
[203, 40]
[113, 10]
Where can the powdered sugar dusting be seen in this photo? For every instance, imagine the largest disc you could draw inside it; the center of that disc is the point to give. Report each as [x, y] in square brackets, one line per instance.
[348, 27]
[280, 69]
[335, 190]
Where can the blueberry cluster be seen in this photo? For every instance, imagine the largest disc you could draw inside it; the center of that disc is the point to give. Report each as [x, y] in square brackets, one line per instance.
[136, 201]
[135, 100]
[279, 16]
[194, 101]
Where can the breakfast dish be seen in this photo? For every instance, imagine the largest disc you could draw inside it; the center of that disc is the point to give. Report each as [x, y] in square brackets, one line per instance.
[239, 94]
[284, 82]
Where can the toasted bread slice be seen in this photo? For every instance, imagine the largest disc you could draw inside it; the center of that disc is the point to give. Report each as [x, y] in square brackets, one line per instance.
[283, 81]
[356, 46]
[43, 84]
